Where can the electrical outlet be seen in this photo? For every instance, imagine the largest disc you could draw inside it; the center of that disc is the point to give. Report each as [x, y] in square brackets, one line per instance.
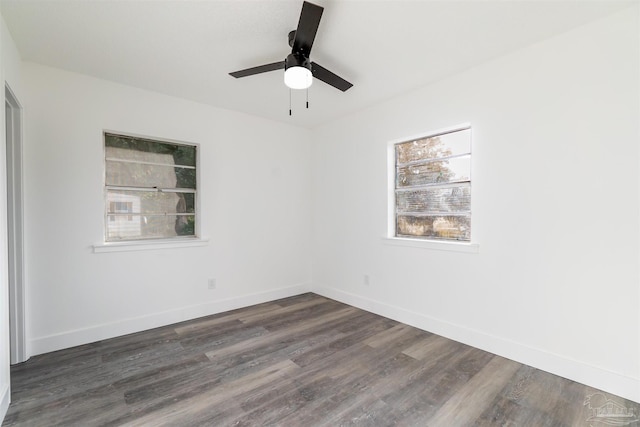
[366, 280]
[212, 284]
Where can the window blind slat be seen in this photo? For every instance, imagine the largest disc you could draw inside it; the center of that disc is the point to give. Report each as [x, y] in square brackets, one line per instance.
[147, 150]
[435, 172]
[149, 202]
[446, 145]
[148, 214]
[114, 159]
[166, 190]
[436, 200]
[148, 175]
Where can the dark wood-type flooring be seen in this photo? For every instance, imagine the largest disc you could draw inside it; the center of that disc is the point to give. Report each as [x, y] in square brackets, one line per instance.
[300, 361]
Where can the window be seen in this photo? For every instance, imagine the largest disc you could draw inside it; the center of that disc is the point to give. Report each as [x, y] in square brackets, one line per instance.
[432, 190]
[150, 188]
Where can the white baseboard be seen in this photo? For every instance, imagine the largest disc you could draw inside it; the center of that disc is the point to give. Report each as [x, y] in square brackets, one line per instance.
[5, 399]
[127, 326]
[610, 382]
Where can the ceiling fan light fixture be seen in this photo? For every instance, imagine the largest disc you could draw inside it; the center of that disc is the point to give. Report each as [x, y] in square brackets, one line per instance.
[297, 72]
[298, 77]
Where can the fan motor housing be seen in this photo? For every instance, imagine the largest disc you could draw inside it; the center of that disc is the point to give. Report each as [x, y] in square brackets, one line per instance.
[295, 60]
[292, 37]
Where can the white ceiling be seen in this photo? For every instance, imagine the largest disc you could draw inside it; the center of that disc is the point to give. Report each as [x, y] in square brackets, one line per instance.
[187, 48]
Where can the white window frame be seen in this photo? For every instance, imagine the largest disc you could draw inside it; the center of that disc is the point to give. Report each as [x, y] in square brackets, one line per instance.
[152, 243]
[416, 242]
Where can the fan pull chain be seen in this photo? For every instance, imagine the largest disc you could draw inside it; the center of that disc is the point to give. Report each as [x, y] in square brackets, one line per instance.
[289, 101]
[307, 98]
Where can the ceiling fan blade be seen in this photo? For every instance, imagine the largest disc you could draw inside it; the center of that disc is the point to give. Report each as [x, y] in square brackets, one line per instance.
[257, 70]
[307, 28]
[321, 73]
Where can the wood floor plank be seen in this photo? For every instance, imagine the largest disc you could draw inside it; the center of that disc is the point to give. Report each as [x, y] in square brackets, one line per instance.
[360, 374]
[537, 398]
[468, 403]
[386, 336]
[72, 409]
[205, 324]
[333, 352]
[262, 316]
[370, 412]
[187, 409]
[301, 361]
[417, 393]
[220, 339]
[426, 347]
[278, 336]
[350, 387]
[284, 302]
[294, 319]
[272, 405]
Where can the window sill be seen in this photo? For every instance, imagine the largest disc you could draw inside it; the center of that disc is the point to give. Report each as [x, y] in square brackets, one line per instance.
[470, 248]
[147, 245]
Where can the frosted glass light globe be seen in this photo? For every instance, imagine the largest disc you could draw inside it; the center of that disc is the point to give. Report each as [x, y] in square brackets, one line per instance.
[298, 77]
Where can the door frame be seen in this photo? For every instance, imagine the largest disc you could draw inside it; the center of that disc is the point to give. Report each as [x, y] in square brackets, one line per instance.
[15, 228]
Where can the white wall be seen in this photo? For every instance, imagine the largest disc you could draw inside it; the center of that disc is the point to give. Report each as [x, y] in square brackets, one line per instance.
[255, 209]
[555, 208]
[10, 64]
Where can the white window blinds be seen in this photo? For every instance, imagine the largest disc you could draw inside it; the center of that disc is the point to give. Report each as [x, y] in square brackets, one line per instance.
[150, 188]
[433, 187]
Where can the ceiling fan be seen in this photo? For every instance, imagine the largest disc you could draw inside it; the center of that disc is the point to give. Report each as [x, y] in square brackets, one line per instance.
[298, 69]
